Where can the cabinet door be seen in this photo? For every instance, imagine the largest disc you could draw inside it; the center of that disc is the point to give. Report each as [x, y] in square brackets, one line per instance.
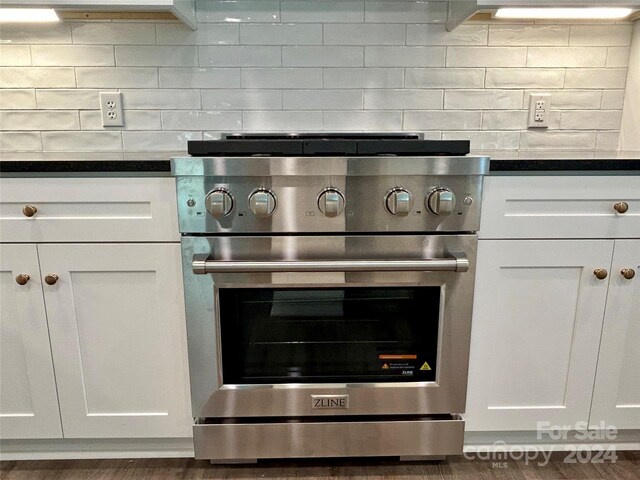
[118, 338]
[538, 315]
[616, 397]
[28, 399]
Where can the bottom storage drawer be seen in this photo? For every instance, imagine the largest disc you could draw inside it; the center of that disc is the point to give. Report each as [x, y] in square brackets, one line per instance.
[422, 436]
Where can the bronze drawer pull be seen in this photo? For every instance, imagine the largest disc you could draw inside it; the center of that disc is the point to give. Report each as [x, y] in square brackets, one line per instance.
[621, 207]
[29, 210]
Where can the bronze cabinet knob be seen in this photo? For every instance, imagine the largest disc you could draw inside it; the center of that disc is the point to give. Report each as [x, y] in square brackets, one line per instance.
[29, 210]
[628, 273]
[600, 273]
[621, 207]
[51, 279]
[22, 279]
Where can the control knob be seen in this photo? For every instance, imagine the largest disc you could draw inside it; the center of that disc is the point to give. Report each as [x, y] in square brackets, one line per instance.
[441, 201]
[219, 202]
[262, 202]
[399, 202]
[331, 202]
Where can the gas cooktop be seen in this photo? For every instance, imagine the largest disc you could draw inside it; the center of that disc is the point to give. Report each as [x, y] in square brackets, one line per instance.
[326, 144]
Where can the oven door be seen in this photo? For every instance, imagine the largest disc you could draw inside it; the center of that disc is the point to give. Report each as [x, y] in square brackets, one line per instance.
[328, 325]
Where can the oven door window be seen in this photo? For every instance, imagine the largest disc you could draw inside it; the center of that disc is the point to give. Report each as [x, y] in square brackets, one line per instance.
[341, 335]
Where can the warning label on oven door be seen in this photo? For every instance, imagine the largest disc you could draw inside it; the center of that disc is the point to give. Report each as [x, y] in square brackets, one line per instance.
[399, 364]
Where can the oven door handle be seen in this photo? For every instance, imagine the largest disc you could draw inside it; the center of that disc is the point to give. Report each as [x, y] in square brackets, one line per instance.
[202, 265]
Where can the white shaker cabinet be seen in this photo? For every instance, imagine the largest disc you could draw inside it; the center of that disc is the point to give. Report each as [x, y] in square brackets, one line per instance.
[536, 330]
[616, 397]
[118, 347]
[94, 344]
[556, 325]
[28, 400]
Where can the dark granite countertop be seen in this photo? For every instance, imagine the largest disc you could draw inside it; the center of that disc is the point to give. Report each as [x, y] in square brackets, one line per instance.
[547, 162]
[87, 164]
[503, 162]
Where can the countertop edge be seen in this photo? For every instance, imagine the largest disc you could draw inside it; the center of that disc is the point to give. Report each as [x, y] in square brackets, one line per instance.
[163, 167]
[61, 167]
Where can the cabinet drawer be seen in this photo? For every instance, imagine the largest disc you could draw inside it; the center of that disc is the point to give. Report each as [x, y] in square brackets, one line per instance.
[88, 209]
[560, 207]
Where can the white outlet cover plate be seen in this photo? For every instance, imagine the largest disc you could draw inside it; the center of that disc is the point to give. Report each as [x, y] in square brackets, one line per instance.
[539, 118]
[111, 108]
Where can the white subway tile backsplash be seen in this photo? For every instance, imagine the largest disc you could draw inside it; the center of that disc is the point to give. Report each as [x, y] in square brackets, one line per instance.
[404, 56]
[524, 78]
[110, 33]
[163, 99]
[235, 11]
[558, 140]
[281, 34]
[486, 140]
[618, 57]
[37, 77]
[322, 99]
[607, 140]
[433, 135]
[237, 56]
[612, 100]
[322, 11]
[363, 77]
[566, 57]
[486, 56]
[116, 77]
[568, 99]
[242, 99]
[68, 99]
[20, 141]
[17, 99]
[591, 120]
[82, 141]
[403, 99]
[364, 34]
[601, 35]
[426, 34]
[322, 56]
[529, 35]
[164, 56]
[512, 120]
[15, 55]
[331, 64]
[281, 77]
[282, 121]
[158, 141]
[206, 34]
[445, 77]
[442, 120]
[199, 77]
[133, 120]
[72, 55]
[35, 33]
[482, 99]
[362, 121]
[398, 11]
[201, 120]
[596, 78]
[39, 120]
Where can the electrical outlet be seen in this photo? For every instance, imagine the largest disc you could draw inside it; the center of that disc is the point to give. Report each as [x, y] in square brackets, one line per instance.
[539, 106]
[111, 108]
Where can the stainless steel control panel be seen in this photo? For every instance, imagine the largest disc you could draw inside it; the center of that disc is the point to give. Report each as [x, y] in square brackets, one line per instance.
[224, 195]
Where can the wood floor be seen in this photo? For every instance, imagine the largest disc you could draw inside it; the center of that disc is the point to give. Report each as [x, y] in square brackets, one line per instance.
[626, 467]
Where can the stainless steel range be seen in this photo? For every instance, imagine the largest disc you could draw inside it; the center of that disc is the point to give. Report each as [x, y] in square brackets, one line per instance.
[329, 287]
